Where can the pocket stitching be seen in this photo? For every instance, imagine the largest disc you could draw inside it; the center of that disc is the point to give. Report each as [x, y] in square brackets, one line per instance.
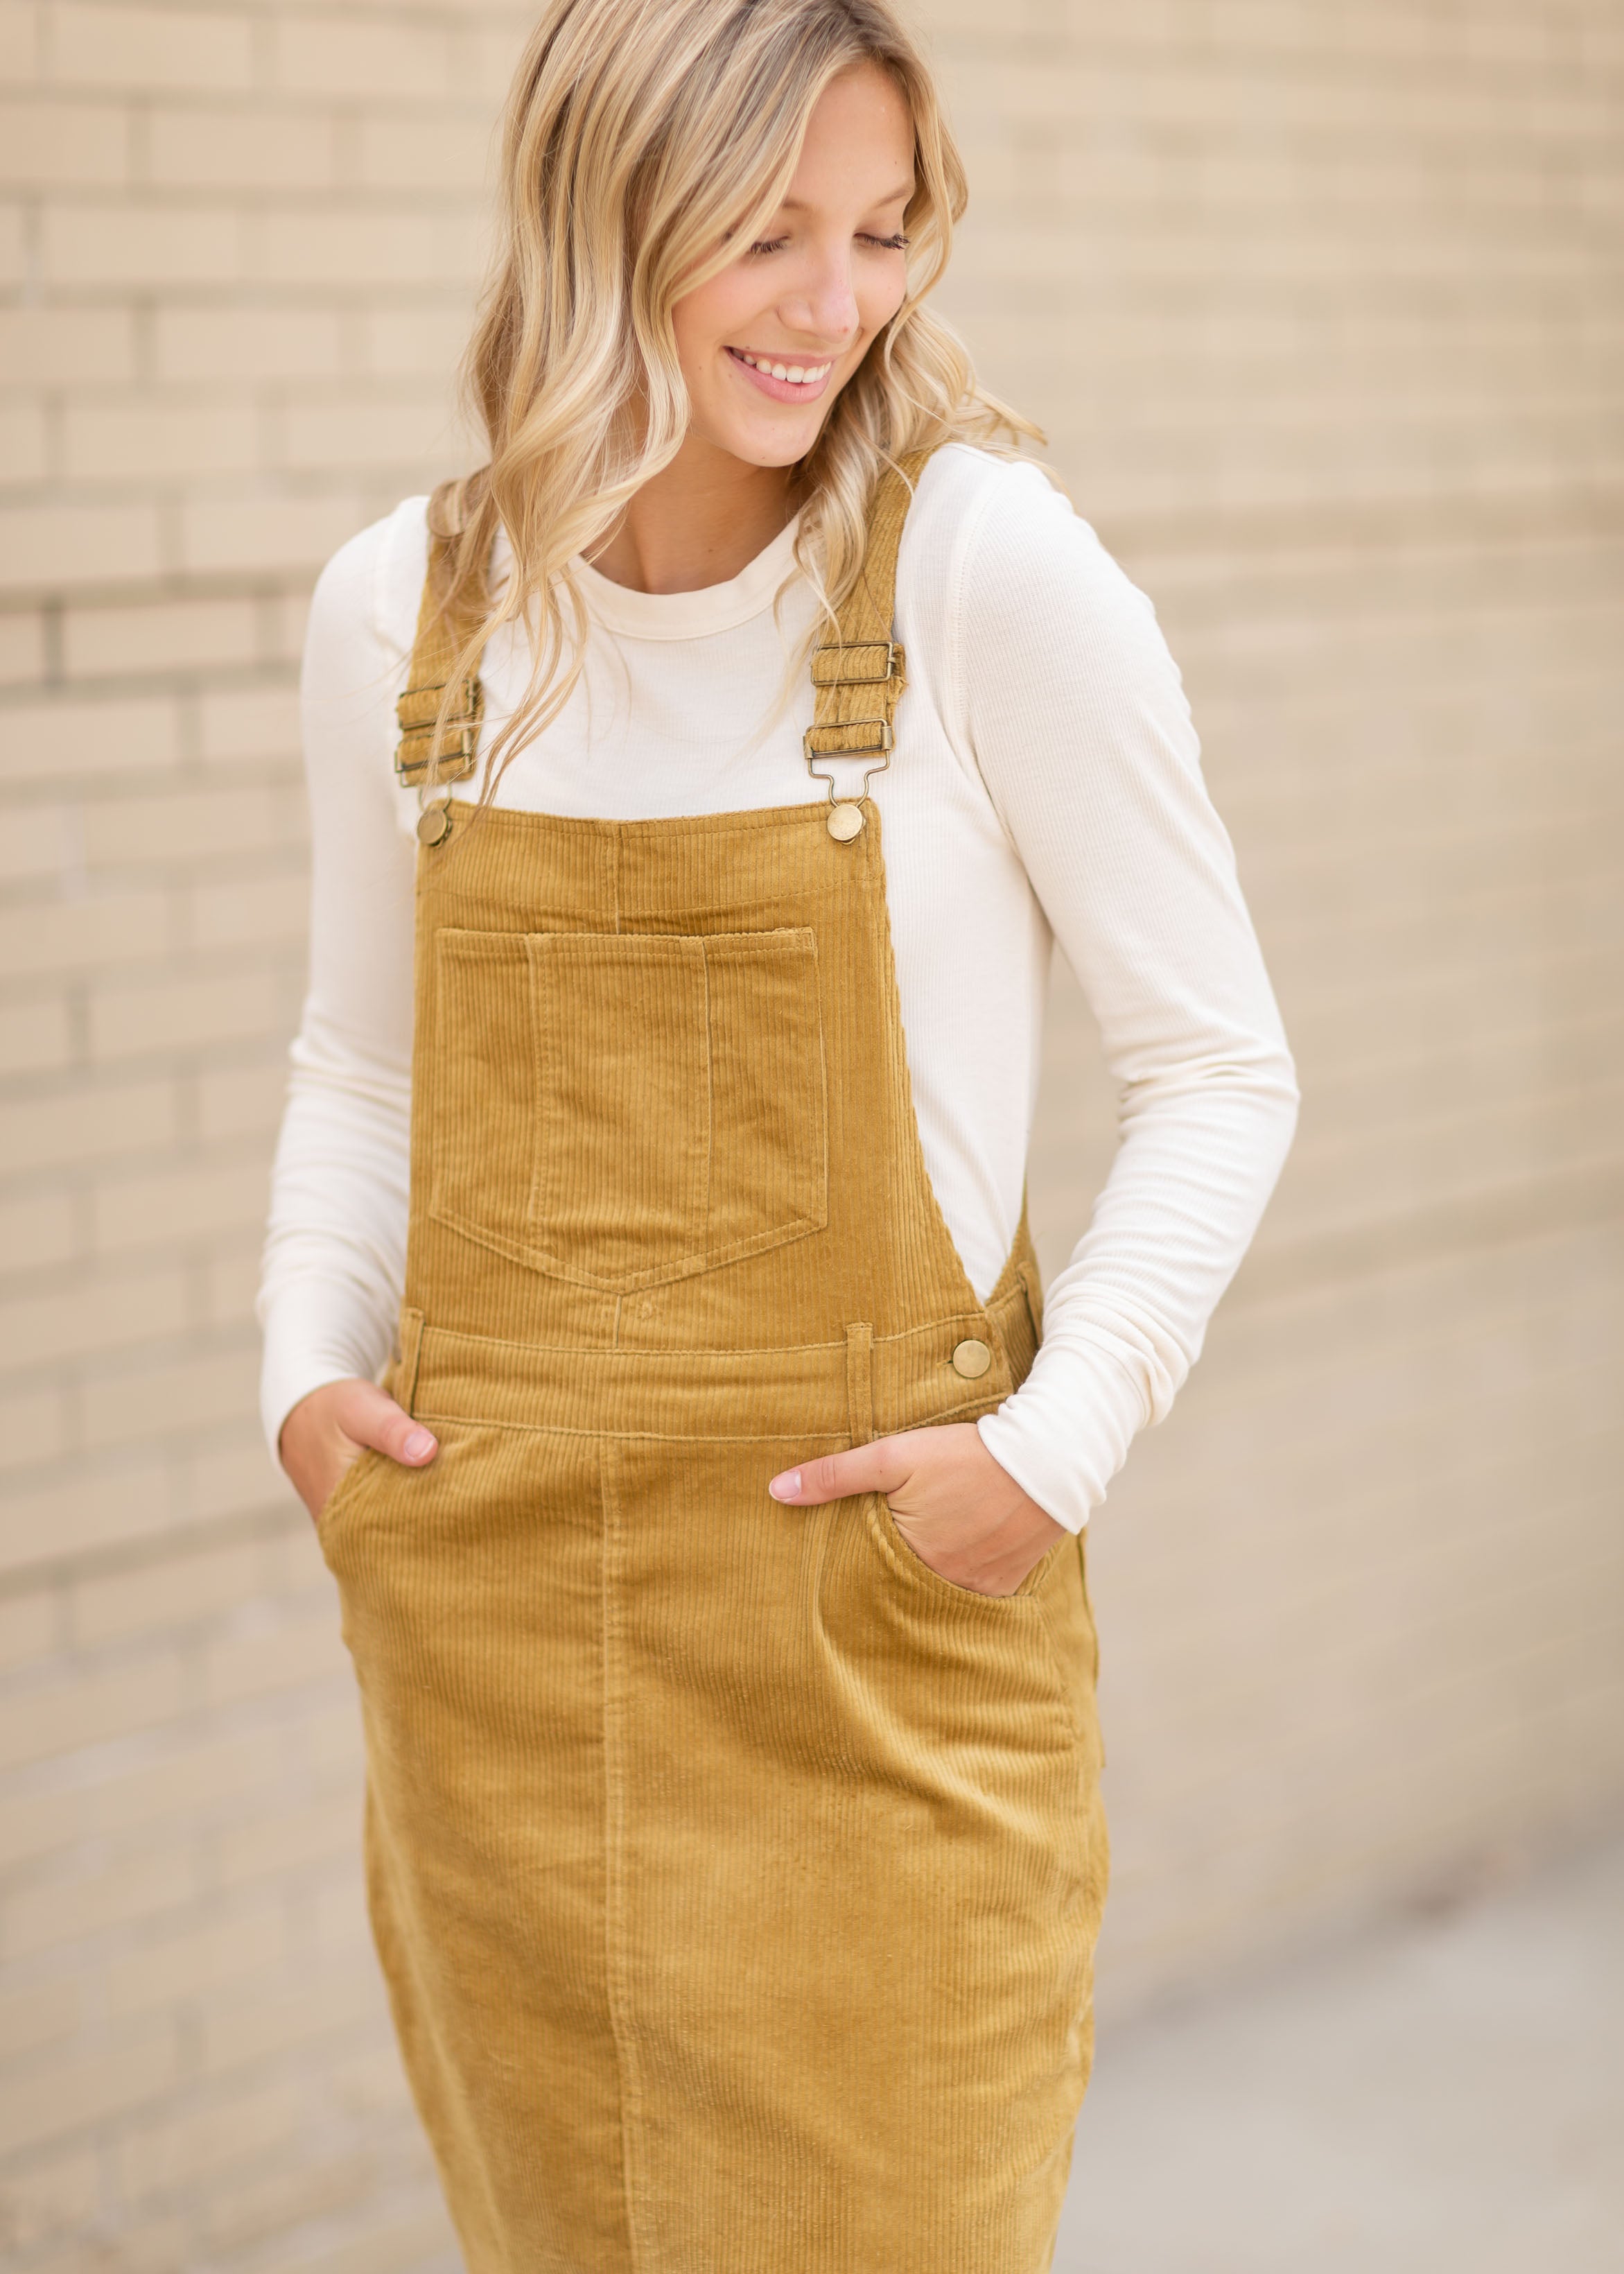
[808, 1186]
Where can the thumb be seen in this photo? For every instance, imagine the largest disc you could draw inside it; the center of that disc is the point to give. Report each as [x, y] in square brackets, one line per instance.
[876, 1468]
[373, 1418]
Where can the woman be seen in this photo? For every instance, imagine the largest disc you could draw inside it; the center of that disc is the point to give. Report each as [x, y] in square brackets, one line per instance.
[711, 1553]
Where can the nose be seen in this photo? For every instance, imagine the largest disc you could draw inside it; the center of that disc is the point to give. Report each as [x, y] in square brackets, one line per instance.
[825, 307]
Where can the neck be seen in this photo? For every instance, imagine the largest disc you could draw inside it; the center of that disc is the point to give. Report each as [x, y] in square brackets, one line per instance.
[700, 522]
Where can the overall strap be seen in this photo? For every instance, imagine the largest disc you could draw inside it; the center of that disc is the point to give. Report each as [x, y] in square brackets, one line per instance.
[857, 673]
[441, 636]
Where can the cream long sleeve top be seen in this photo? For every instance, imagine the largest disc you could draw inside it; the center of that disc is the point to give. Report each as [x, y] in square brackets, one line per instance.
[1045, 786]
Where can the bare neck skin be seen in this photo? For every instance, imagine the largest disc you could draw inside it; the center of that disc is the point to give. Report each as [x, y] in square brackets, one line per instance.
[701, 521]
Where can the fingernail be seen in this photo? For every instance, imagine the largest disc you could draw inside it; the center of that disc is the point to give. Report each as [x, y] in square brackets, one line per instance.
[787, 1486]
[419, 1446]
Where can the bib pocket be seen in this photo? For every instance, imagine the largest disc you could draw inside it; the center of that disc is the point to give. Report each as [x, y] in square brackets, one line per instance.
[618, 1109]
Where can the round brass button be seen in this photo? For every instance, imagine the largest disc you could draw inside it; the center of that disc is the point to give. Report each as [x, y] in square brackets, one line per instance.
[433, 825]
[845, 821]
[971, 1359]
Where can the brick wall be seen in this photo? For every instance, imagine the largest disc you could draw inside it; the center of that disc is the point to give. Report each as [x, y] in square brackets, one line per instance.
[1320, 306]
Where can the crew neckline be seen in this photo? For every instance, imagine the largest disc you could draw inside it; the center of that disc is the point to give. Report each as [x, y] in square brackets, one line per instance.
[690, 616]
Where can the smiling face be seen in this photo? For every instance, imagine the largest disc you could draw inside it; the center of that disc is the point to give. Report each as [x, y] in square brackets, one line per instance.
[767, 344]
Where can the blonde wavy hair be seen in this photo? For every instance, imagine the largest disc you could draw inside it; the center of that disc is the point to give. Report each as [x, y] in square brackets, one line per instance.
[643, 140]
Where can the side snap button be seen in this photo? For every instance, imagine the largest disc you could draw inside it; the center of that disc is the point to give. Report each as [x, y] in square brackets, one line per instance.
[971, 1359]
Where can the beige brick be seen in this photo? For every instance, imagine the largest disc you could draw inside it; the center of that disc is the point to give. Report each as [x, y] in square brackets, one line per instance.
[61, 1718]
[139, 244]
[180, 1590]
[250, 2210]
[144, 441]
[401, 2243]
[23, 449]
[229, 149]
[101, 1315]
[264, 1654]
[188, 636]
[86, 1125]
[175, 825]
[277, 1843]
[22, 649]
[34, 1427]
[159, 48]
[36, 1824]
[232, 1281]
[266, 532]
[196, 345]
[175, 1012]
[187, 2149]
[21, 45]
[370, 2083]
[203, 1955]
[51, 2193]
[68, 544]
[47, 144]
[332, 1737]
[56, 347]
[365, 249]
[89, 1510]
[29, 1625]
[56, 2099]
[189, 1780]
[15, 260]
[42, 2015]
[248, 724]
[175, 1398]
[50, 846]
[35, 1037]
[177, 1206]
[390, 152]
[263, 912]
[298, 2014]
[79, 735]
[36, 1229]
[243, 1100]
[360, 434]
[335, 56]
[239, 1479]
[420, 340]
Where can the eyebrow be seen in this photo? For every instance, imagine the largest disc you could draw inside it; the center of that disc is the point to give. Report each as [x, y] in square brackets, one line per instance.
[893, 197]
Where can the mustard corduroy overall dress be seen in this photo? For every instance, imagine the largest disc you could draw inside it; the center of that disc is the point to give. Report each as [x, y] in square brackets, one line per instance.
[736, 1877]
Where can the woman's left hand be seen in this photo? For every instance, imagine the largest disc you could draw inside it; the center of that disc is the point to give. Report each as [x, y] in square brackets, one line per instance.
[959, 1513]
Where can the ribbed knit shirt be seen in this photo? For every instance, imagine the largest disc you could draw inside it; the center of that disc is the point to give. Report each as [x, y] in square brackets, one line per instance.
[1046, 787]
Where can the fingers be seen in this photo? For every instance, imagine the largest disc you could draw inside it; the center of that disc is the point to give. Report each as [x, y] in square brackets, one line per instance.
[880, 1467]
[370, 1417]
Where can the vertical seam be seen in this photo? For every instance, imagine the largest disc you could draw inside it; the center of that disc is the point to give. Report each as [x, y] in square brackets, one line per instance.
[617, 1969]
[860, 1381]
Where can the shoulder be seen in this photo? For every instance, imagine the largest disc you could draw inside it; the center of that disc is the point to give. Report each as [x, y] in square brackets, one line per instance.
[1016, 543]
[1013, 584]
[366, 597]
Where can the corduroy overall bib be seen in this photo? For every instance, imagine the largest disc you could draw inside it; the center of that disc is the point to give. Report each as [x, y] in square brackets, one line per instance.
[736, 1877]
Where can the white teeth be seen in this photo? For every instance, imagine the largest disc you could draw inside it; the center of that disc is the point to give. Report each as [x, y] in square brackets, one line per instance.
[797, 375]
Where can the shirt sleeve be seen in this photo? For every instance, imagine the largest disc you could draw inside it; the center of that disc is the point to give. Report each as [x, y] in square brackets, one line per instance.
[1076, 718]
[334, 1253]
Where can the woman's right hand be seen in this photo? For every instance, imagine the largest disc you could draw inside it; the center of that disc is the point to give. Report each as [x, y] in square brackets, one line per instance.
[334, 1425]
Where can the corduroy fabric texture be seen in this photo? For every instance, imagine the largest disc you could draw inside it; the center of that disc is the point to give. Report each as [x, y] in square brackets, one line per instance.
[736, 1878]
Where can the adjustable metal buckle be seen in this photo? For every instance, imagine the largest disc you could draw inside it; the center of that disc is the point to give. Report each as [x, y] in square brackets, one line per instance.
[845, 663]
[415, 757]
[846, 814]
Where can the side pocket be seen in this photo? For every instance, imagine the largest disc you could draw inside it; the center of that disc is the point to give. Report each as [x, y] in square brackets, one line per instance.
[341, 1498]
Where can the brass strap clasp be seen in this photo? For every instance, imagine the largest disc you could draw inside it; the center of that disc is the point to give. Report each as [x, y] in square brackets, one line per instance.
[416, 757]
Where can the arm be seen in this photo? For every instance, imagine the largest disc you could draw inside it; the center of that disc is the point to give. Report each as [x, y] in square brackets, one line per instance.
[335, 1250]
[1070, 709]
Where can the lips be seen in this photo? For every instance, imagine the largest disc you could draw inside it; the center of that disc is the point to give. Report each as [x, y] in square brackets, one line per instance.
[782, 378]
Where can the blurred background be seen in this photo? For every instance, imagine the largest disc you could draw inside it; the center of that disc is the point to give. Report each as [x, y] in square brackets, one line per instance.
[1320, 303]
